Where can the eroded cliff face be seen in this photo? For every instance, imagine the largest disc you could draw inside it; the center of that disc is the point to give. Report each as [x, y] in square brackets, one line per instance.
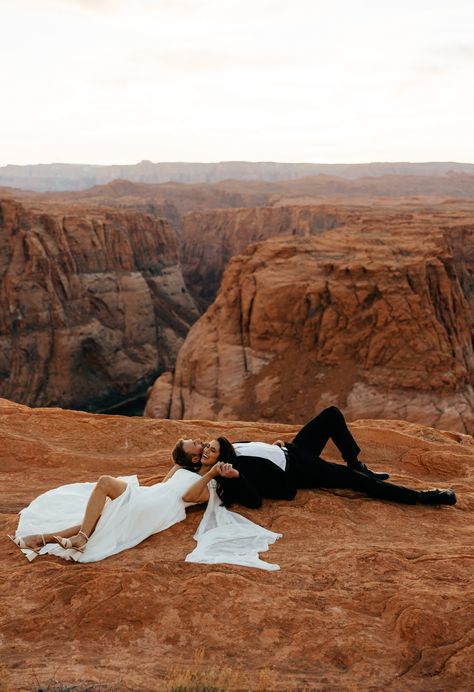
[92, 305]
[210, 238]
[378, 324]
[361, 581]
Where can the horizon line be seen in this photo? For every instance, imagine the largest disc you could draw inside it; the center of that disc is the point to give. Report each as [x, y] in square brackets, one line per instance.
[237, 161]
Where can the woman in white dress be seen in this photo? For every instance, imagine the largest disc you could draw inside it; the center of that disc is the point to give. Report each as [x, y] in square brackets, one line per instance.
[115, 514]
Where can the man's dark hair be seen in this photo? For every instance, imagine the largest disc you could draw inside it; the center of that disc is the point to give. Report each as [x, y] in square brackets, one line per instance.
[182, 458]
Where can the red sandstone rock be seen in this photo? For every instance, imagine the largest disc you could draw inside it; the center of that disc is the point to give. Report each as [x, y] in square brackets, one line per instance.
[167, 200]
[92, 305]
[370, 184]
[159, 397]
[209, 238]
[371, 595]
[379, 325]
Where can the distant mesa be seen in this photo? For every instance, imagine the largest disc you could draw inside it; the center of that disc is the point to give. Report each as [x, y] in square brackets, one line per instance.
[66, 176]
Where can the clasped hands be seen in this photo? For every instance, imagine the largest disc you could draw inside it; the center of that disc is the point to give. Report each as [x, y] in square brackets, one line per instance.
[224, 470]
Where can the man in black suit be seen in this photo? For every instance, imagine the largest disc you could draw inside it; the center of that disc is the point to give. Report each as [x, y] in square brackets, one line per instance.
[277, 471]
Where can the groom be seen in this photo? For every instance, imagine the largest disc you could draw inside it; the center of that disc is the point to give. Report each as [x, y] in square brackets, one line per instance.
[277, 471]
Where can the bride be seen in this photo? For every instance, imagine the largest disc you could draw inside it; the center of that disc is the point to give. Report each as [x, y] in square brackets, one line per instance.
[115, 514]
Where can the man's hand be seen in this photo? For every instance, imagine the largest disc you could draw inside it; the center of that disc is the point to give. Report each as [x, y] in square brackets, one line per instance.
[280, 443]
[225, 470]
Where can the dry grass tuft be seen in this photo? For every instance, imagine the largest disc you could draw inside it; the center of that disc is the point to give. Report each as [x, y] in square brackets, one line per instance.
[199, 678]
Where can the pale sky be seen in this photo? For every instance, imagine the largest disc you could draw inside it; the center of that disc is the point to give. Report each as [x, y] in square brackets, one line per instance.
[118, 81]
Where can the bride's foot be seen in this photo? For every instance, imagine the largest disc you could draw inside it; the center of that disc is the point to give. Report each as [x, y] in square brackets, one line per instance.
[77, 542]
[33, 542]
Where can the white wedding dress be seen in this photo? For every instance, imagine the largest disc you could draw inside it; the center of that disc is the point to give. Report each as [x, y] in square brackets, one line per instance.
[141, 511]
[225, 536]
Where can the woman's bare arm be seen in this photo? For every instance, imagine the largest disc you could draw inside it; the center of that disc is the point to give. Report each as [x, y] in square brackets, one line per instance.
[199, 491]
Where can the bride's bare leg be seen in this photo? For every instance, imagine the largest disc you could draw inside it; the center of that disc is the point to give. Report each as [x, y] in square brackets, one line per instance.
[106, 486]
[37, 540]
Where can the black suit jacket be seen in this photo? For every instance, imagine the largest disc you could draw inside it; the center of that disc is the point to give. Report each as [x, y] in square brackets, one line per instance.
[259, 478]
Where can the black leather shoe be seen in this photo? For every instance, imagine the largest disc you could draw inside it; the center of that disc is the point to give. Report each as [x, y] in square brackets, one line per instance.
[362, 468]
[437, 497]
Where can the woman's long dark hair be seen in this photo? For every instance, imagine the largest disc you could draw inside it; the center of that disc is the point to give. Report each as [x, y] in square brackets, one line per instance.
[226, 454]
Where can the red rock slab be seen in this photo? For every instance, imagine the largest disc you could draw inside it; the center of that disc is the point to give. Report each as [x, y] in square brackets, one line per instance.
[370, 594]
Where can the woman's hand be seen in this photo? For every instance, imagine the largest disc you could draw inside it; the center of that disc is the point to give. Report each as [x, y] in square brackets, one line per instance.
[280, 443]
[224, 470]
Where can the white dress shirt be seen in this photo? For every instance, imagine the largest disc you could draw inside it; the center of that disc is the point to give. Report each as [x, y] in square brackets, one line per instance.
[261, 449]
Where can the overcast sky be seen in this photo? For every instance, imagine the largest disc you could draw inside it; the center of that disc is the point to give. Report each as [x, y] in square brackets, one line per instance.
[117, 81]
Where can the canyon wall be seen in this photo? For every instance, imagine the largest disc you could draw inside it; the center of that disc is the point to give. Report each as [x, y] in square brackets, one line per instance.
[210, 238]
[92, 305]
[377, 322]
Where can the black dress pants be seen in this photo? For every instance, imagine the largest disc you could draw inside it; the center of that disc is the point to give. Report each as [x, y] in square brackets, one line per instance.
[307, 470]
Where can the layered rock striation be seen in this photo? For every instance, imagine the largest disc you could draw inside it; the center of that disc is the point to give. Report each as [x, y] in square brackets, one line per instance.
[370, 594]
[92, 305]
[209, 239]
[380, 324]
